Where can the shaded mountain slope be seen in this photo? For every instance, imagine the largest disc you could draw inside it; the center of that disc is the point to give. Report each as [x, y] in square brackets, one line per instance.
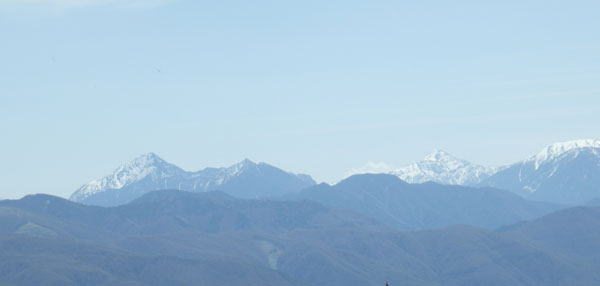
[182, 238]
[429, 205]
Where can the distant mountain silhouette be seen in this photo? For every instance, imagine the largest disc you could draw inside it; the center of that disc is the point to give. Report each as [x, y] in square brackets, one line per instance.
[150, 173]
[564, 173]
[439, 167]
[429, 205]
[183, 238]
[178, 211]
[573, 233]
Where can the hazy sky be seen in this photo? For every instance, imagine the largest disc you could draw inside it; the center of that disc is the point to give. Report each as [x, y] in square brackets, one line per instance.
[310, 86]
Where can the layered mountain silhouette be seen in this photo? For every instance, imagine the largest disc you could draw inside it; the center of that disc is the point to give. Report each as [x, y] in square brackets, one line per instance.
[428, 205]
[184, 238]
[153, 223]
[439, 167]
[149, 172]
[563, 173]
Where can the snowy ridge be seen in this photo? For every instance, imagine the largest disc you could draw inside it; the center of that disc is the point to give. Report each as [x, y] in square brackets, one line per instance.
[129, 172]
[438, 166]
[564, 173]
[222, 175]
[548, 161]
[149, 172]
[556, 150]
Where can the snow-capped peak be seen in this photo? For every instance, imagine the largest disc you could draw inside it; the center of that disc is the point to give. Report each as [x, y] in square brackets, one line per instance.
[239, 167]
[144, 160]
[438, 166]
[246, 162]
[129, 172]
[442, 167]
[149, 172]
[135, 170]
[555, 150]
[440, 155]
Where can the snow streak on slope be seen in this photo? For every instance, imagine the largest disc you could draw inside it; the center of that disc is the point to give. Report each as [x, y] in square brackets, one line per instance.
[130, 172]
[564, 173]
[439, 166]
[555, 150]
[149, 172]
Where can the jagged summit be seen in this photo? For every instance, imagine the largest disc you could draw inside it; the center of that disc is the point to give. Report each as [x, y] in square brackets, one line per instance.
[561, 147]
[440, 155]
[438, 166]
[244, 163]
[557, 149]
[150, 156]
[241, 166]
[565, 172]
[147, 160]
[444, 168]
[149, 172]
[129, 172]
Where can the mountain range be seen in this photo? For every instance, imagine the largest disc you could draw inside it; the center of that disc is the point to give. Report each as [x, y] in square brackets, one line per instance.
[422, 206]
[564, 173]
[153, 223]
[567, 173]
[439, 166]
[149, 172]
[211, 238]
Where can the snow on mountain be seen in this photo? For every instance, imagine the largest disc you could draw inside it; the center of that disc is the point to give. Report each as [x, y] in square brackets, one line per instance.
[565, 172]
[439, 166]
[128, 173]
[149, 172]
[555, 150]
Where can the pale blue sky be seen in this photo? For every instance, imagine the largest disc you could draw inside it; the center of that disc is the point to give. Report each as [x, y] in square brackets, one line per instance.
[310, 86]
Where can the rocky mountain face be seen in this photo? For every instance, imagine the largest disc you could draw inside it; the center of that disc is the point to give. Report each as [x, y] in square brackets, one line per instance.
[149, 173]
[562, 173]
[439, 167]
[566, 173]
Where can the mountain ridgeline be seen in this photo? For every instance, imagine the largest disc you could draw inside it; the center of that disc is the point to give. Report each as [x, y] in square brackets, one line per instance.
[211, 238]
[454, 223]
[427, 205]
[439, 167]
[566, 173]
[563, 173]
[149, 173]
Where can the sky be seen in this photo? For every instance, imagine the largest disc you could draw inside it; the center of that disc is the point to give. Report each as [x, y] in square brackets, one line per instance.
[317, 87]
